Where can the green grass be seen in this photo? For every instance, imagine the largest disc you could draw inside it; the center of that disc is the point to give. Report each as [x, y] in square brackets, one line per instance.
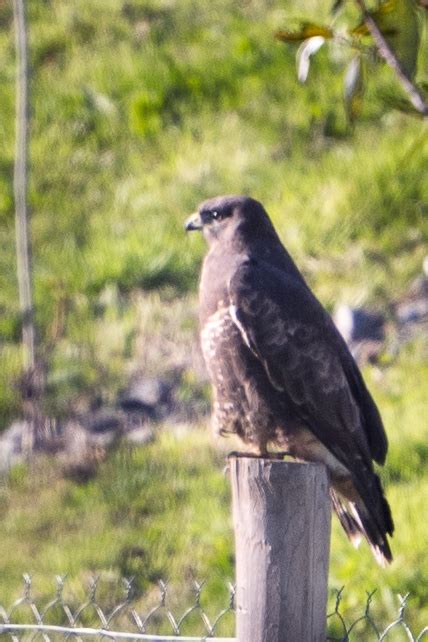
[141, 109]
[120, 524]
[132, 502]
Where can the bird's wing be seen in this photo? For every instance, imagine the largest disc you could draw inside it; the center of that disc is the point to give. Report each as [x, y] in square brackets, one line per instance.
[301, 351]
[371, 419]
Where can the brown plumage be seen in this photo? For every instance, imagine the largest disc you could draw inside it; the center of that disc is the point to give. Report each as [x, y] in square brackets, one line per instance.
[282, 375]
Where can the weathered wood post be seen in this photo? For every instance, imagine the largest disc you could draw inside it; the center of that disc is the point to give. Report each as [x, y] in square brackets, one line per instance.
[281, 514]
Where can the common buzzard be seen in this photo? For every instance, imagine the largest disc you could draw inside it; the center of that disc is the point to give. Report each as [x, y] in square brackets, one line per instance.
[282, 375]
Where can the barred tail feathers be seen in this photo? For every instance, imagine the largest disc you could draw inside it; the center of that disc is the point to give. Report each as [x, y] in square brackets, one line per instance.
[358, 521]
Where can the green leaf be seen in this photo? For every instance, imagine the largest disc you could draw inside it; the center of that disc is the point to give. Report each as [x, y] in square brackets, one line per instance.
[354, 87]
[398, 22]
[305, 31]
[304, 53]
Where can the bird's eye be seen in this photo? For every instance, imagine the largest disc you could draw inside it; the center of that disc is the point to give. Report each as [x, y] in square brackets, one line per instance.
[215, 214]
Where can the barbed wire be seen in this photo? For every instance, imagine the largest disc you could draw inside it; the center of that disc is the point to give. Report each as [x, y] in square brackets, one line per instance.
[126, 620]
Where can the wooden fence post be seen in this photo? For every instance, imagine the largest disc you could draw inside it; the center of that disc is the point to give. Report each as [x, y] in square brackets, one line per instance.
[281, 514]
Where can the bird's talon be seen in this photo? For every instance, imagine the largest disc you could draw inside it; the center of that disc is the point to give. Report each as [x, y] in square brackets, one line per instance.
[239, 455]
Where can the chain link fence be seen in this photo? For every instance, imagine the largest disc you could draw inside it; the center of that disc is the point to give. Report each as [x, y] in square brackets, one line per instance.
[117, 615]
[99, 615]
[366, 628]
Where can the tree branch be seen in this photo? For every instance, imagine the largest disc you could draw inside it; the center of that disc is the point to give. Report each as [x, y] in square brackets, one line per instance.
[416, 98]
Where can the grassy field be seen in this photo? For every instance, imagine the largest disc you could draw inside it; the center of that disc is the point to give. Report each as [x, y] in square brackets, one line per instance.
[134, 123]
[120, 525]
[140, 109]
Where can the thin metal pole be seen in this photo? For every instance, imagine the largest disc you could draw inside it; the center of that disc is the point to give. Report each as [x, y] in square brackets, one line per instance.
[105, 633]
[20, 184]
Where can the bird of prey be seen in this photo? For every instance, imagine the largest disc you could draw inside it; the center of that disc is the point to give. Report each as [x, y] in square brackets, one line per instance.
[282, 374]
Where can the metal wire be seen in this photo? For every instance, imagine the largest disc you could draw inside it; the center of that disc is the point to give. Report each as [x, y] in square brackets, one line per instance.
[125, 621]
[349, 630]
[104, 622]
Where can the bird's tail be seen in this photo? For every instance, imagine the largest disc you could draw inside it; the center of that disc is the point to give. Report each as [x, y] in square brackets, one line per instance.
[371, 520]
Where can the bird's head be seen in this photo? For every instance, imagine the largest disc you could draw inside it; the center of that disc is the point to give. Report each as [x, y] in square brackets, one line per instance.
[225, 217]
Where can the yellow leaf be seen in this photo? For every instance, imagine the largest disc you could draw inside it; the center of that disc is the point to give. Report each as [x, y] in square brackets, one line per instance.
[306, 30]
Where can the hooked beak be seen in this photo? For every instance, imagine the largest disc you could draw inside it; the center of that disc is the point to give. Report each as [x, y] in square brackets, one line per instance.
[194, 222]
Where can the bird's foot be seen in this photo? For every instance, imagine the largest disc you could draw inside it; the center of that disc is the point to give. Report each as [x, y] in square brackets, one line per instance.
[277, 456]
[235, 454]
[238, 455]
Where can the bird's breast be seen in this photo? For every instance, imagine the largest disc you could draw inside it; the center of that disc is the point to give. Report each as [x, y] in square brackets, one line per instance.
[219, 336]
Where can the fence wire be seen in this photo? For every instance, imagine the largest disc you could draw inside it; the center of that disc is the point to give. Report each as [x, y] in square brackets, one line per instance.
[59, 618]
[368, 628]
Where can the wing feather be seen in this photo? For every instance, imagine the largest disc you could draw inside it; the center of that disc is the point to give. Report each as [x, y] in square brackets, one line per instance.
[304, 357]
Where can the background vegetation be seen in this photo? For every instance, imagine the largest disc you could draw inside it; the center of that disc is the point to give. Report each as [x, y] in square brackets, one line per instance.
[140, 109]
